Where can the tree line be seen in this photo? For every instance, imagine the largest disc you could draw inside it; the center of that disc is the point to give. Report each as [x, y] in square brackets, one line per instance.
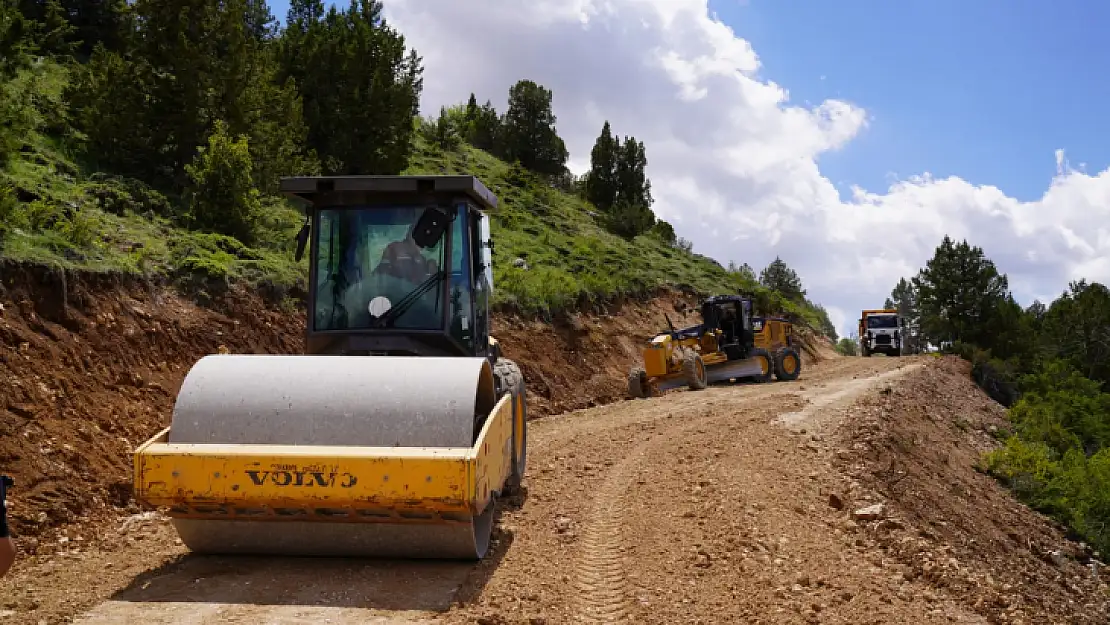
[210, 103]
[193, 110]
[1049, 365]
[617, 182]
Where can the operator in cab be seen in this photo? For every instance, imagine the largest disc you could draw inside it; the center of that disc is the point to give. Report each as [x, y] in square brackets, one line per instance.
[7, 547]
[405, 259]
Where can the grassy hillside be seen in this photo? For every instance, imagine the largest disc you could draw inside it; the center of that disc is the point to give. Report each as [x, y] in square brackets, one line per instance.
[61, 212]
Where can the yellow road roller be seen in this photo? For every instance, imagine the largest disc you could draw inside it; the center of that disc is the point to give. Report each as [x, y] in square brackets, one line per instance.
[396, 431]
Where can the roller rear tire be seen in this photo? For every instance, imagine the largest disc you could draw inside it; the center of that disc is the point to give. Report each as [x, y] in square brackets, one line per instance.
[511, 380]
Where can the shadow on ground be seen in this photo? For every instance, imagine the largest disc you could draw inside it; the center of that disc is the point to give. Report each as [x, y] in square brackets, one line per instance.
[374, 584]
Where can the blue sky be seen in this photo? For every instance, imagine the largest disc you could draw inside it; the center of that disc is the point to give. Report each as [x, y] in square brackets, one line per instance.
[982, 89]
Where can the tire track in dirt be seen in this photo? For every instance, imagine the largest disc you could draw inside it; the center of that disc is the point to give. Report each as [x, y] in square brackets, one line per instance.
[639, 442]
[600, 568]
[600, 571]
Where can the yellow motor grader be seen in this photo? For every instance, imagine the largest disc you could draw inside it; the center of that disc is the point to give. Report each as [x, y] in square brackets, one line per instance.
[729, 344]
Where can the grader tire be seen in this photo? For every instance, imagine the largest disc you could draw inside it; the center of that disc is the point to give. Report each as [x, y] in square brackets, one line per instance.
[788, 365]
[694, 369]
[636, 383]
[768, 365]
[511, 380]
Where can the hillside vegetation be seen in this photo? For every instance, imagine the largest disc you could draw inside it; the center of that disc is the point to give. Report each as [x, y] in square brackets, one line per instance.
[1050, 365]
[125, 153]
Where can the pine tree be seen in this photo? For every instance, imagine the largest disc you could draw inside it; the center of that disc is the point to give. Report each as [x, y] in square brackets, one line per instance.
[529, 134]
[16, 46]
[359, 83]
[221, 192]
[780, 277]
[482, 125]
[146, 111]
[633, 187]
[958, 291]
[601, 182]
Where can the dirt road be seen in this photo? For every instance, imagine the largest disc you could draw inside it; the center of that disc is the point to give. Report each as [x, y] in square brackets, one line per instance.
[698, 507]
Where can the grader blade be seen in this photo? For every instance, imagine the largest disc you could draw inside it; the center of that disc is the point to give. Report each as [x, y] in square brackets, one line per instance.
[746, 368]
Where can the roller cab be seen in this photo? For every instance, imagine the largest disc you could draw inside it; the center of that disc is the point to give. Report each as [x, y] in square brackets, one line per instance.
[403, 421]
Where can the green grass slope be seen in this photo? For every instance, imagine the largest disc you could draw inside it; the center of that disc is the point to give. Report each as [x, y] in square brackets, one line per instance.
[58, 212]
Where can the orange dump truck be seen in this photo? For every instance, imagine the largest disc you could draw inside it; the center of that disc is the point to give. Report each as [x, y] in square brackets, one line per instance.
[881, 331]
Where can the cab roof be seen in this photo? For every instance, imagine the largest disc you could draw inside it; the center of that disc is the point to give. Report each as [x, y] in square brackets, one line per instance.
[308, 188]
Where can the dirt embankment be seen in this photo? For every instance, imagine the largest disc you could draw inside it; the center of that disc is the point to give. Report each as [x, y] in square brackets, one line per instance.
[90, 366]
[848, 496]
[916, 447]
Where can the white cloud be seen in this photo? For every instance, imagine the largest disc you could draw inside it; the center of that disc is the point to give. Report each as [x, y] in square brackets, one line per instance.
[732, 162]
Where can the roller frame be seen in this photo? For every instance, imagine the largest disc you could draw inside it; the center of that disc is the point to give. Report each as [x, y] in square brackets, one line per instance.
[373, 487]
[390, 459]
[331, 499]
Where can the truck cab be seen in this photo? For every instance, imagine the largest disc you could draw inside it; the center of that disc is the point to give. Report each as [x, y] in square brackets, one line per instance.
[881, 331]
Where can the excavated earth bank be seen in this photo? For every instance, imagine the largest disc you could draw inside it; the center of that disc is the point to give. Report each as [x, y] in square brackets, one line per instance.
[90, 366]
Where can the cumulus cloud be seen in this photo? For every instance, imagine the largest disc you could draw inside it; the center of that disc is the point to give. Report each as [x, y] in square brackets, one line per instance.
[733, 163]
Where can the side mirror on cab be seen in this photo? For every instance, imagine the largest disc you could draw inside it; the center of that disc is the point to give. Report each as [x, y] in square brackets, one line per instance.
[302, 240]
[429, 229]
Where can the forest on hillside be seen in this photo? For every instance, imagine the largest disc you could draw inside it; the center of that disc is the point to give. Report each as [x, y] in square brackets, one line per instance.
[208, 104]
[187, 113]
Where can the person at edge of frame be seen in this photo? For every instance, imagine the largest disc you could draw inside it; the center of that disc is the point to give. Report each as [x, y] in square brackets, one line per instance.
[7, 546]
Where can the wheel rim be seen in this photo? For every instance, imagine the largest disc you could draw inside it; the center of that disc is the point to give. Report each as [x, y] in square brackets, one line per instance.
[790, 364]
[699, 368]
[764, 367]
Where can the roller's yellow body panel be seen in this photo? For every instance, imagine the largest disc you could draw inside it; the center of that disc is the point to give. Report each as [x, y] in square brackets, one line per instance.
[326, 483]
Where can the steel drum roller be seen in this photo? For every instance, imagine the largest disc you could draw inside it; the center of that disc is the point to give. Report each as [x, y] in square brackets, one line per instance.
[340, 401]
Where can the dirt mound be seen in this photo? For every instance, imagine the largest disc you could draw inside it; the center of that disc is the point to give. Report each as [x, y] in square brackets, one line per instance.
[816, 347]
[915, 448]
[89, 368]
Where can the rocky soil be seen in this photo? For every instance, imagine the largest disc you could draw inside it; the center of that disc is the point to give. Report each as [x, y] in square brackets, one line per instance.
[851, 495]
